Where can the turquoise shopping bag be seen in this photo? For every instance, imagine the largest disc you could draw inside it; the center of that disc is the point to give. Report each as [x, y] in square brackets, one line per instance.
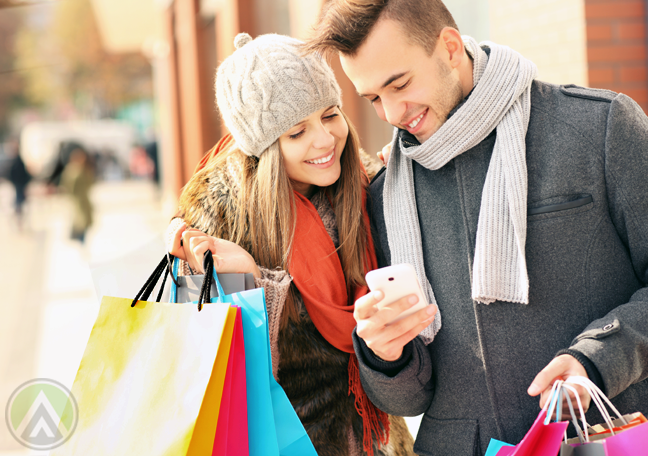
[267, 401]
[274, 428]
[494, 446]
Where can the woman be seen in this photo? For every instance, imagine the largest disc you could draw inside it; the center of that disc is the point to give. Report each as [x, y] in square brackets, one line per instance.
[284, 198]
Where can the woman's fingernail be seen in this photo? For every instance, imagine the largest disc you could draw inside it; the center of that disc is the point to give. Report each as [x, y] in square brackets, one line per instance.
[534, 390]
[430, 310]
[413, 299]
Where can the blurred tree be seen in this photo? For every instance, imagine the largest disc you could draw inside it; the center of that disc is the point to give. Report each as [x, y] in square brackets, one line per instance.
[11, 85]
[76, 68]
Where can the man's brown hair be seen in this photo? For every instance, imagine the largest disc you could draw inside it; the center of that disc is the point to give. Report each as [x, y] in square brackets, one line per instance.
[345, 24]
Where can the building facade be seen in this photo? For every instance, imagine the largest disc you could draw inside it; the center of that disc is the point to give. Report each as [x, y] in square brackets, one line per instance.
[596, 43]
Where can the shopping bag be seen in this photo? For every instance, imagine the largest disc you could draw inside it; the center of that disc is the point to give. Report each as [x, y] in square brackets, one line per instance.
[187, 288]
[274, 428]
[232, 428]
[585, 447]
[494, 446]
[151, 379]
[588, 449]
[632, 420]
[543, 439]
[627, 435]
[633, 441]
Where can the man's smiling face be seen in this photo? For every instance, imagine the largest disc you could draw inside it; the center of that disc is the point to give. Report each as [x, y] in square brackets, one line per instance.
[408, 88]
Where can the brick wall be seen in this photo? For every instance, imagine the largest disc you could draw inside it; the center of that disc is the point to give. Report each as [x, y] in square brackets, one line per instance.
[616, 47]
[549, 32]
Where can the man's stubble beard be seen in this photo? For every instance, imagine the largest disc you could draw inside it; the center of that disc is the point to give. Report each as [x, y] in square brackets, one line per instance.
[449, 95]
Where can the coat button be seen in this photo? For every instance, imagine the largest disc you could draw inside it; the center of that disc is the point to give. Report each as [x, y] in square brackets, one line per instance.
[608, 327]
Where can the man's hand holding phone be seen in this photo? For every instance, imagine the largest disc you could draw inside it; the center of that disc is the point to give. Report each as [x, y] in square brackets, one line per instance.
[373, 319]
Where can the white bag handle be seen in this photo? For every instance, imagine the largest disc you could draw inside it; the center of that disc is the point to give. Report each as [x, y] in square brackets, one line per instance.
[583, 438]
[551, 402]
[599, 399]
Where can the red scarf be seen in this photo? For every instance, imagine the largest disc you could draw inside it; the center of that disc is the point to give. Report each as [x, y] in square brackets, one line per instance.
[317, 273]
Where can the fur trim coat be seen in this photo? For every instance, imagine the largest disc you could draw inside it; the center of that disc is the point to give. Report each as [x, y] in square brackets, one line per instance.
[313, 373]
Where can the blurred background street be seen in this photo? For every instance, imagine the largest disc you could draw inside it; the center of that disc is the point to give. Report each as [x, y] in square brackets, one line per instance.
[49, 301]
[106, 107]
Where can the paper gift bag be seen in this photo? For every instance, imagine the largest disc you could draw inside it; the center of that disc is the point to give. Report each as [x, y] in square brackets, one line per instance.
[494, 446]
[274, 428]
[543, 439]
[145, 383]
[587, 449]
[273, 425]
[232, 428]
[187, 288]
[633, 441]
[602, 430]
[627, 435]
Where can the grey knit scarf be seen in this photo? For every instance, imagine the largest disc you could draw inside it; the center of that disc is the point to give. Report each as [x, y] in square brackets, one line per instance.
[500, 100]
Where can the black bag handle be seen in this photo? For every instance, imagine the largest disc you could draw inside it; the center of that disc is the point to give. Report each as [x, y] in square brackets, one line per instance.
[165, 266]
[205, 290]
[160, 270]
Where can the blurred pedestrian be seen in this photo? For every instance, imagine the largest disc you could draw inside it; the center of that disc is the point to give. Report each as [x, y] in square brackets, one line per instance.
[62, 158]
[151, 149]
[19, 178]
[77, 179]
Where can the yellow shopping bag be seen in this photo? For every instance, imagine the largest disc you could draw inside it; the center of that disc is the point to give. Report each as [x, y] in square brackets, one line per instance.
[151, 379]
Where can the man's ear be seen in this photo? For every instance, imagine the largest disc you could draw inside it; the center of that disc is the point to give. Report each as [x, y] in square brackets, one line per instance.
[451, 40]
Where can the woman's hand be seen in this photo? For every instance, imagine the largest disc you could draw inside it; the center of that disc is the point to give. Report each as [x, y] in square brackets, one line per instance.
[174, 237]
[228, 256]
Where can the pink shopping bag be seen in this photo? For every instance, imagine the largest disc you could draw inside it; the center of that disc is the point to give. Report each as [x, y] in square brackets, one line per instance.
[633, 441]
[232, 428]
[541, 440]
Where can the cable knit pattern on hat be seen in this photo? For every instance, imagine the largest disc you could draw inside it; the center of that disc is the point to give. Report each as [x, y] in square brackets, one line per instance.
[266, 86]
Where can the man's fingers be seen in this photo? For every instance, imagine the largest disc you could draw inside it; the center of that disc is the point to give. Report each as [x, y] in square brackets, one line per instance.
[561, 367]
[547, 376]
[583, 395]
[391, 350]
[409, 324]
[364, 307]
[388, 341]
[409, 335]
[391, 311]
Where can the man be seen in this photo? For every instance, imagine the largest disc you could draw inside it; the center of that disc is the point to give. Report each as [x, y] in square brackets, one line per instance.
[524, 208]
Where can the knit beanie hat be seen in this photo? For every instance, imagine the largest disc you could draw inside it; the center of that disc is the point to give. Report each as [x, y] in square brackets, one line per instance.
[266, 86]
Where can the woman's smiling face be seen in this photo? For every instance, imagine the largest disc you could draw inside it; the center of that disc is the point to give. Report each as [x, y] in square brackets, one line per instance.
[312, 148]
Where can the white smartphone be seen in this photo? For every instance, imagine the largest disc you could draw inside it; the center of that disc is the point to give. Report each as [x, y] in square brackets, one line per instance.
[397, 281]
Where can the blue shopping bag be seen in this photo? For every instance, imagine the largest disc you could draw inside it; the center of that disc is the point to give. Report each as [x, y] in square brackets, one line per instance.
[494, 446]
[274, 428]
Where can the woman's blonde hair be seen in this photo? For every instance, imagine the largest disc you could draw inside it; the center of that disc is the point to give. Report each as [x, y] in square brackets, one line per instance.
[262, 219]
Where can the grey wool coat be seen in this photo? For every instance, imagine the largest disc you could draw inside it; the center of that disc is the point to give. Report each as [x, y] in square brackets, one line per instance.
[587, 258]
